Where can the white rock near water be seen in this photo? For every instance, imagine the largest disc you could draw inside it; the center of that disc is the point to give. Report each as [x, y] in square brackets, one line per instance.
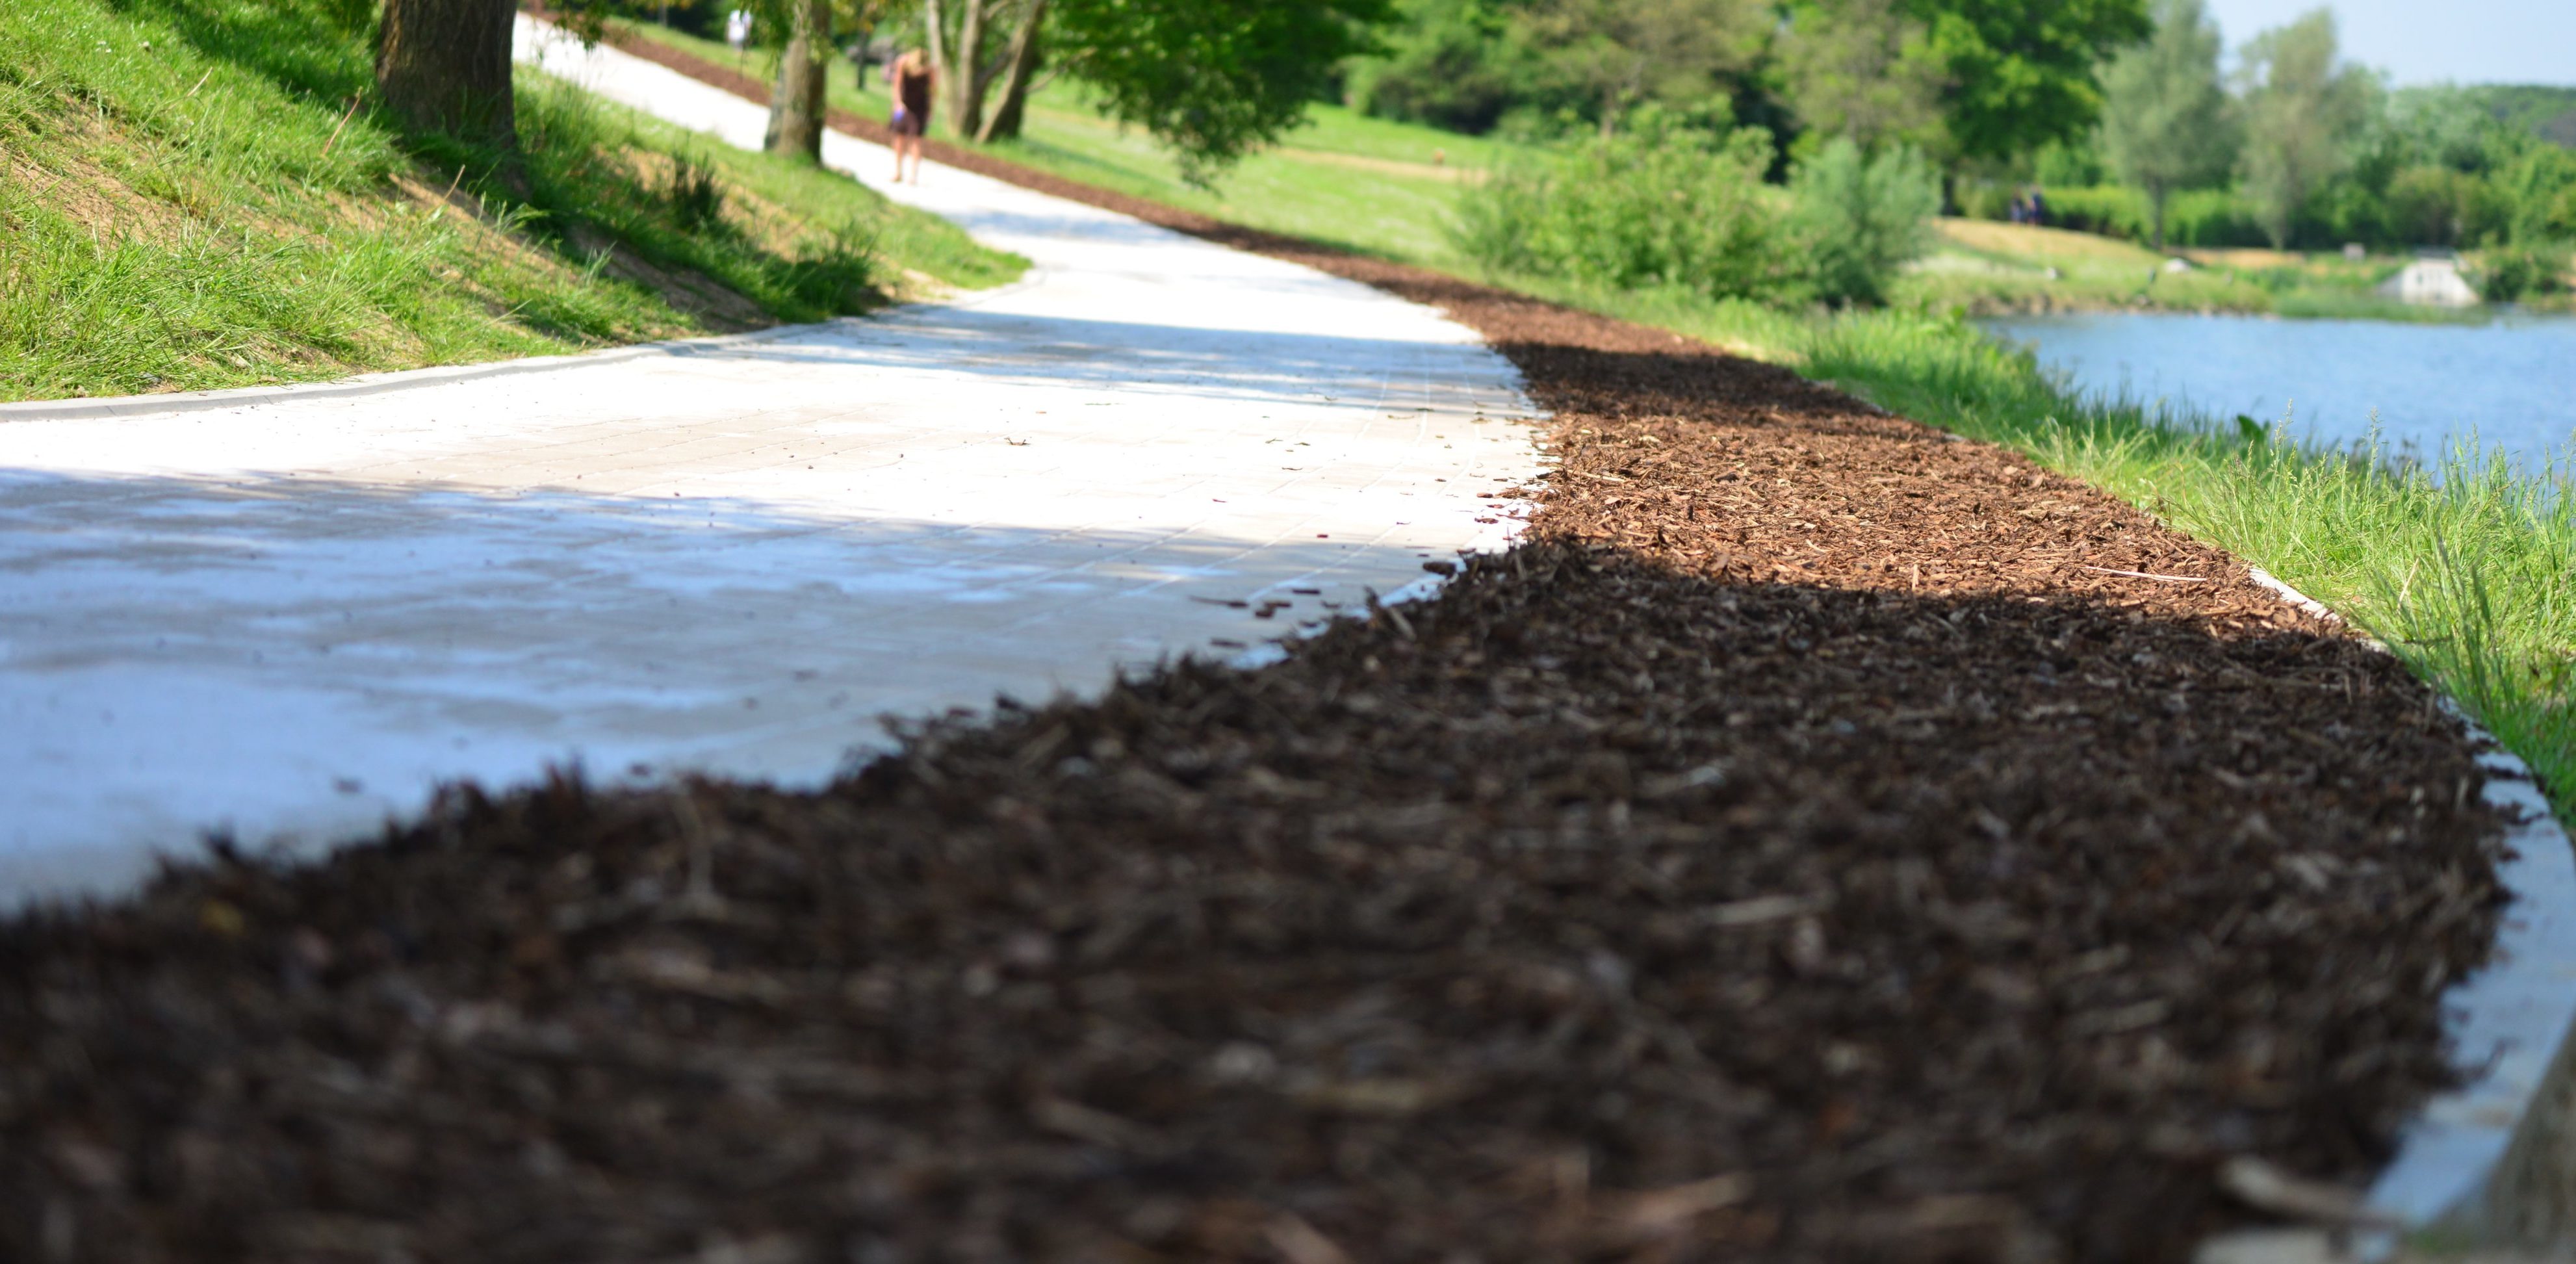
[2432, 283]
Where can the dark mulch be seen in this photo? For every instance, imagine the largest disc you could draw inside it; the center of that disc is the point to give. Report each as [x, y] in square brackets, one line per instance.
[1793, 852]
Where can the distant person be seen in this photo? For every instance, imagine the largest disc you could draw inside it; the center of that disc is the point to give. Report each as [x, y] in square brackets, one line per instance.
[913, 79]
[2038, 208]
[738, 31]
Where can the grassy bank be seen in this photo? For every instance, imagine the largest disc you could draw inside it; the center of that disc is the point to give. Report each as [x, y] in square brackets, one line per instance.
[1982, 268]
[2466, 568]
[189, 200]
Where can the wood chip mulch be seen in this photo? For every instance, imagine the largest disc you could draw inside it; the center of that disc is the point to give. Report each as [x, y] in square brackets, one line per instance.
[1804, 847]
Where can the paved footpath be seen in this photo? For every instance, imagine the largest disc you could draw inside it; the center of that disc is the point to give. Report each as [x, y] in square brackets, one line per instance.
[288, 619]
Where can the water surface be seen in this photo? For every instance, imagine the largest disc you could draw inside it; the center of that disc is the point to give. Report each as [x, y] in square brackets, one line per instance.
[2511, 381]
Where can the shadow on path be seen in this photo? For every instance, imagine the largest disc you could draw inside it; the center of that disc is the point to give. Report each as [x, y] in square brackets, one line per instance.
[1928, 927]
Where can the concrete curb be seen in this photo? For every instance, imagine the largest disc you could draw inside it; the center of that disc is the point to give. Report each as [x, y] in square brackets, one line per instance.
[379, 383]
[441, 375]
[2507, 1023]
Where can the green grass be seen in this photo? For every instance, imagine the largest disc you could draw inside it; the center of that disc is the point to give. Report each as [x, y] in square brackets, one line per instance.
[1365, 184]
[186, 202]
[2464, 567]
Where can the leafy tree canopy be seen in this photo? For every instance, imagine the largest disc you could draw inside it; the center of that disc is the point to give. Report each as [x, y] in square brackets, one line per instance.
[1469, 63]
[1863, 69]
[2020, 73]
[1211, 79]
[1449, 63]
[2169, 125]
[1621, 53]
[2305, 112]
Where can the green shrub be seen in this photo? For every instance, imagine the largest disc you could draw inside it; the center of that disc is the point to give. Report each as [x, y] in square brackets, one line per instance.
[1985, 199]
[1858, 219]
[2538, 194]
[2510, 274]
[1667, 205]
[1661, 204]
[2193, 217]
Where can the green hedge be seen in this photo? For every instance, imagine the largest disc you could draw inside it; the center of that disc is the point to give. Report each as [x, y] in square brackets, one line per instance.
[2193, 217]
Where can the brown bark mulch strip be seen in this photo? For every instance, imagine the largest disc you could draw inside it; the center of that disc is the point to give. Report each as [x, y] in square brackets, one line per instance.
[1804, 847]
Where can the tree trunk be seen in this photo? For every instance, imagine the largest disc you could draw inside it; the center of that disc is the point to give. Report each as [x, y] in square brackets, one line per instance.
[796, 104]
[935, 26]
[1026, 52]
[961, 72]
[444, 66]
[2156, 202]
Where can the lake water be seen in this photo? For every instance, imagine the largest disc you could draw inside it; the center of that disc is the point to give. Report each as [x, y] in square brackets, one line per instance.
[2512, 380]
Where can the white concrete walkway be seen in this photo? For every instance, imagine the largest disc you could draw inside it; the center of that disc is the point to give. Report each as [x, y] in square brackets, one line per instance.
[290, 619]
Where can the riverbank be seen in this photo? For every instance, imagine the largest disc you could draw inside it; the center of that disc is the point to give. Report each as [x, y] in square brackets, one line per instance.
[2463, 561]
[1981, 268]
[2415, 388]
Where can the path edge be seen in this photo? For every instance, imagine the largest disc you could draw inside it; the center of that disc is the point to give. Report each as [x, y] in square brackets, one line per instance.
[381, 383]
[2508, 1025]
[114, 406]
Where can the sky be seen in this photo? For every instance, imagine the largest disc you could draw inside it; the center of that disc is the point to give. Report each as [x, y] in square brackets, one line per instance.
[2461, 41]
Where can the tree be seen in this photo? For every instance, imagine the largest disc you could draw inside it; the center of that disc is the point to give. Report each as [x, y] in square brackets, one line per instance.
[2167, 124]
[2302, 113]
[959, 33]
[444, 66]
[1863, 69]
[796, 103]
[1210, 79]
[1464, 64]
[1449, 63]
[1619, 53]
[2020, 73]
[1019, 76]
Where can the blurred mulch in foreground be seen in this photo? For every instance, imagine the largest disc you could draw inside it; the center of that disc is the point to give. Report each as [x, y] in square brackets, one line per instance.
[1806, 846]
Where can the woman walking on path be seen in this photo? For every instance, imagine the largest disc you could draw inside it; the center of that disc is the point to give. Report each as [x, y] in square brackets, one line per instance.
[913, 79]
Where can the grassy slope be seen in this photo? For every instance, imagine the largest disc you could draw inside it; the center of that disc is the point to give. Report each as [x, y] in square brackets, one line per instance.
[182, 206]
[2469, 571]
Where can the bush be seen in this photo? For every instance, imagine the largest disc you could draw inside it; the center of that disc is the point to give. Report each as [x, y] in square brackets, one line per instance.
[2509, 274]
[2193, 217]
[1661, 204]
[1861, 218]
[1667, 204]
[1445, 63]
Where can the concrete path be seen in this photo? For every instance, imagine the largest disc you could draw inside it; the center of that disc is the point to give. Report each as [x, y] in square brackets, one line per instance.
[290, 619]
